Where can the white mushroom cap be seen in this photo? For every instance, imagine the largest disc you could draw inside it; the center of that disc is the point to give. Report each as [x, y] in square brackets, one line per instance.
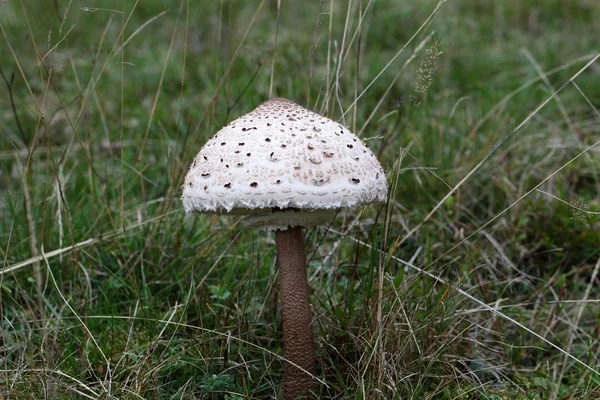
[285, 166]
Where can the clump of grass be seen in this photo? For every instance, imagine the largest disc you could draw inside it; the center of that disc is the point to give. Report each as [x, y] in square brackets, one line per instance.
[580, 212]
[428, 66]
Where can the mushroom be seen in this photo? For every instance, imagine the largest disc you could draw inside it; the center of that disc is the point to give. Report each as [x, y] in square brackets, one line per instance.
[295, 169]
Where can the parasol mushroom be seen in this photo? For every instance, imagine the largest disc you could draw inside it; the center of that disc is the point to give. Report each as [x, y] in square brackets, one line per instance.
[285, 167]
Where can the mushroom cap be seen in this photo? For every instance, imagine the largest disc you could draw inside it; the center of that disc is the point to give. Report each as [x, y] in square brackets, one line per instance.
[284, 166]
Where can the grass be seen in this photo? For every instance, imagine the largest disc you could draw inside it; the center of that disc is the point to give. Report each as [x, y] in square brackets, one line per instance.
[479, 279]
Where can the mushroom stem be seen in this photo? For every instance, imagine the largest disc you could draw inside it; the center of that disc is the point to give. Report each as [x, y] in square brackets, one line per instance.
[297, 322]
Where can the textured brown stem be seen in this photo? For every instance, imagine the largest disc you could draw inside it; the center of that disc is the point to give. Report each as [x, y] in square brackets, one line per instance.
[298, 338]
